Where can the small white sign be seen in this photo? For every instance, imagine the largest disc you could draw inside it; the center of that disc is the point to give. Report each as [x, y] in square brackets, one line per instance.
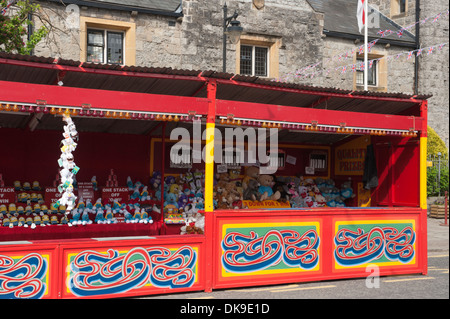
[291, 160]
[309, 170]
[222, 169]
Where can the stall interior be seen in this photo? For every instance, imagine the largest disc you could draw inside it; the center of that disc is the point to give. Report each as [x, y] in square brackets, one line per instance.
[129, 179]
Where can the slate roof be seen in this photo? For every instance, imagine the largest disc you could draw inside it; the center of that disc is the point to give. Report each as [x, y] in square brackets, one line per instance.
[164, 7]
[340, 20]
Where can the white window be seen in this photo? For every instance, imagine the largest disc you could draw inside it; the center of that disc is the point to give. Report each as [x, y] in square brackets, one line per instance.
[254, 60]
[105, 46]
[373, 72]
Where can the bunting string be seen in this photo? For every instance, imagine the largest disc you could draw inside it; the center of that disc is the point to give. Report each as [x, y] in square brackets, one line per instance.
[309, 70]
[8, 4]
[360, 65]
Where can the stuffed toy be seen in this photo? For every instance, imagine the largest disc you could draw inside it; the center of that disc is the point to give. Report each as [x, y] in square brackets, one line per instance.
[36, 186]
[36, 221]
[155, 181]
[17, 187]
[12, 208]
[232, 195]
[28, 222]
[99, 218]
[170, 180]
[54, 220]
[45, 220]
[94, 183]
[265, 189]
[174, 189]
[85, 220]
[20, 210]
[26, 186]
[171, 201]
[5, 222]
[220, 197]
[347, 190]
[251, 191]
[75, 220]
[21, 221]
[199, 180]
[145, 218]
[62, 209]
[309, 201]
[64, 220]
[251, 172]
[127, 216]
[321, 201]
[182, 201]
[109, 217]
[283, 188]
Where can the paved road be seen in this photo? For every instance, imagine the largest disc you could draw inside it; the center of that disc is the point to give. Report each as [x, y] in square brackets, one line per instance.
[433, 286]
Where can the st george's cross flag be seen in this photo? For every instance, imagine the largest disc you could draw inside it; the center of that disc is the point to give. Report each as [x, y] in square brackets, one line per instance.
[361, 15]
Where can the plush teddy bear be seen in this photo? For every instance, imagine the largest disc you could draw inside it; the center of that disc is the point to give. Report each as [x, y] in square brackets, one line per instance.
[251, 172]
[251, 192]
[265, 189]
[171, 201]
[220, 196]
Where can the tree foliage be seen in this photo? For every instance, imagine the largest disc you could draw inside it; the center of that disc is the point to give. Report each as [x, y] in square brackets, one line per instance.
[13, 27]
[436, 144]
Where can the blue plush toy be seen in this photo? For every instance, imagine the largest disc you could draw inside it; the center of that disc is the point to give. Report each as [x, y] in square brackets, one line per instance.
[99, 218]
[171, 201]
[109, 217]
[128, 216]
[85, 218]
[76, 214]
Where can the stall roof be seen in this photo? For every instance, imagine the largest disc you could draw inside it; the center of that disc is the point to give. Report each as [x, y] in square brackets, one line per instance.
[192, 83]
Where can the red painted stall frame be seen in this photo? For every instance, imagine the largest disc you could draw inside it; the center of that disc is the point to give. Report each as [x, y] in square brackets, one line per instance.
[305, 245]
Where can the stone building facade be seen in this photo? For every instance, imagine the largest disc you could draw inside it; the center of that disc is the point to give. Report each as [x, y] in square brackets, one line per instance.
[293, 34]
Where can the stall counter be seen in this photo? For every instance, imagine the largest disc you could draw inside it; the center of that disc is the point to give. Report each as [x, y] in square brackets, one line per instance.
[239, 248]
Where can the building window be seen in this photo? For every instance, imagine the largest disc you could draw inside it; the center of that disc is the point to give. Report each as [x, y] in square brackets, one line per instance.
[373, 72]
[254, 61]
[402, 6]
[399, 7]
[105, 46]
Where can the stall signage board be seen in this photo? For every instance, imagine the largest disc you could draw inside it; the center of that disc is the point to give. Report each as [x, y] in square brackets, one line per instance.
[112, 194]
[86, 191]
[265, 204]
[52, 195]
[7, 195]
[350, 157]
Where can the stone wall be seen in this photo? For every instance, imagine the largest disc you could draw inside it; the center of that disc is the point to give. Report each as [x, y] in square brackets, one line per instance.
[195, 42]
[434, 68]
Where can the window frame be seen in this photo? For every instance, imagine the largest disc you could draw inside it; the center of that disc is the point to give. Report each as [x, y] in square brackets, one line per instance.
[253, 60]
[376, 72]
[105, 44]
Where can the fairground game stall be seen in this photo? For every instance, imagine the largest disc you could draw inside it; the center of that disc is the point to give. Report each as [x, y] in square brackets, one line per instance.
[94, 204]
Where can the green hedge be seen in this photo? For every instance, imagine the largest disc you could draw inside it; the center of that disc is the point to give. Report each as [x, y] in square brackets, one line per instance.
[432, 184]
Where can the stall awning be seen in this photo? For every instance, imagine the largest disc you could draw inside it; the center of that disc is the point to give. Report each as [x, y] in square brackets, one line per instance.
[30, 79]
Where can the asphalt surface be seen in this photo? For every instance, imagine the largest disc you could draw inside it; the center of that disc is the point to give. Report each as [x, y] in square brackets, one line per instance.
[433, 286]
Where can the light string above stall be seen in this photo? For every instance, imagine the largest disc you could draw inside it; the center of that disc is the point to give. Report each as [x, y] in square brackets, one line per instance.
[305, 72]
[98, 113]
[316, 127]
